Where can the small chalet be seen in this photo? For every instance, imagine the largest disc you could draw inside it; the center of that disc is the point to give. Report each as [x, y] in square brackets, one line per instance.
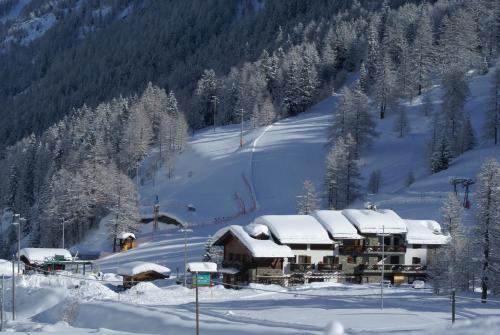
[251, 255]
[47, 259]
[135, 272]
[126, 241]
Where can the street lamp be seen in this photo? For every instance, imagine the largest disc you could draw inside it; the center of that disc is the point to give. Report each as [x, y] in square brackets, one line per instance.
[63, 222]
[17, 222]
[185, 230]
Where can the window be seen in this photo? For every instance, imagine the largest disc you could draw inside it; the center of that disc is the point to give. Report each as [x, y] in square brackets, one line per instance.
[351, 260]
[396, 240]
[321, 246]
[298, 246]
[304, 259]
[394, 260]
[415, 260]
[330, 260]
[417, 246]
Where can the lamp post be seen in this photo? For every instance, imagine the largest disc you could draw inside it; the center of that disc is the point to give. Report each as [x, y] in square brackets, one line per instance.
[214, 99]
[17, 222]
[185, 230]
[63, 222]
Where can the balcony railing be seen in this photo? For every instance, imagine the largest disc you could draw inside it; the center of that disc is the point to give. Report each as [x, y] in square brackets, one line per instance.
[301, 267]
[350, 249]
[391, 268]
[329, 267]
[377, 249]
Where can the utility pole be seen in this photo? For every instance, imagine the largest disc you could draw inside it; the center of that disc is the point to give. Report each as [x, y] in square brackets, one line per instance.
[197, 306]
[17, 222]
[241, 129]
[63, 233]
[214, 99]
[3, 303]
[383, 268]
[185, 231]
[13, 292]
[453, 306]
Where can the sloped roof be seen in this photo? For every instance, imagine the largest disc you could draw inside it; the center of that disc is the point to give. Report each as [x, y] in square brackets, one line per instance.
[134, 268]
[41, 255]
[425, 232]
[201, 267]
[123, 236]
[258, 248]
[337, 224]
[370, 221]
[295, 229]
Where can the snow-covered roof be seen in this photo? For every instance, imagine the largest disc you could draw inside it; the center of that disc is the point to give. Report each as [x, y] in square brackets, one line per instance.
[230, 271]
[258, 248]
[295, 229]
[134, 268]
[375, 221]
[201, 267]
[123, 236]
[255, 229]
[337, 224]
[424, 232]
[5, 267]
[41, 255]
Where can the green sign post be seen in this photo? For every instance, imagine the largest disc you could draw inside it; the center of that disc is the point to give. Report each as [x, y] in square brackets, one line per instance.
[202, 279]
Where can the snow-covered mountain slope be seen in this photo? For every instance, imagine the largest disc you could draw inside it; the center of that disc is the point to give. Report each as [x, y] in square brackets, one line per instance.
[229, 185]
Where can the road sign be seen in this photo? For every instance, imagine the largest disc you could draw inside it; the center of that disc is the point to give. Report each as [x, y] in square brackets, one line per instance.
[201, 279]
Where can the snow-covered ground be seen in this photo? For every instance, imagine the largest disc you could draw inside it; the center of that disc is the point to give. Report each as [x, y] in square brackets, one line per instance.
[232, 185]
[79, 306]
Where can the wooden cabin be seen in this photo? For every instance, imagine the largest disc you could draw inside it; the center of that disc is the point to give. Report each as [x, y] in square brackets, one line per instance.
[126, 241]
[136, 272]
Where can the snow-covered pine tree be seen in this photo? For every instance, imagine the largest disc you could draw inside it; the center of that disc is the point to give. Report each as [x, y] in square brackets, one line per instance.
[427, 105]
[342, 174]
[207, 94]
[441, 155]
[492, 122]
[401, 123]
[385, 91]
[308, 201]
[455, 93]
[467, 136]
[423, 52]
[374, 181]
[210, 254]
[487, 197]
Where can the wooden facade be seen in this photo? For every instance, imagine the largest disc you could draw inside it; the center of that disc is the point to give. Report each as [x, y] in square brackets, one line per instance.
[129, 281]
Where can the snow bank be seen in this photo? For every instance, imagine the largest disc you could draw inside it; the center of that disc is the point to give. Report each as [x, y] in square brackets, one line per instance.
[134, 268]
[424, 232]
[201, 267]
[337, 225]
[258, 248]
[291, 229]
[40, 255]
[375, 221]
[5, 267]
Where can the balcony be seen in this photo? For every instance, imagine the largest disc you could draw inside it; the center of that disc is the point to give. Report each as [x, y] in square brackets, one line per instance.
[329, 267]
[388, 249]
[350, 249]
[301, 267]
[395, 268]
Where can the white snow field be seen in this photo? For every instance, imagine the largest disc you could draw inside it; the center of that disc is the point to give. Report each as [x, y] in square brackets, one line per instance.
[228, 185]
[64, 305]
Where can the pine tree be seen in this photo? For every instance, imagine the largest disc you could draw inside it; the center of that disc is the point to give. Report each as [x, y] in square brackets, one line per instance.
[385, 92]
[342, 174]
[467, 136]
[374, 181]
[308, 201]
[210, 251]
[441, 156]
[455, 93]
[492, 122]
[427, 105]
[487, 230]
[423, 53]
[401, 124]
